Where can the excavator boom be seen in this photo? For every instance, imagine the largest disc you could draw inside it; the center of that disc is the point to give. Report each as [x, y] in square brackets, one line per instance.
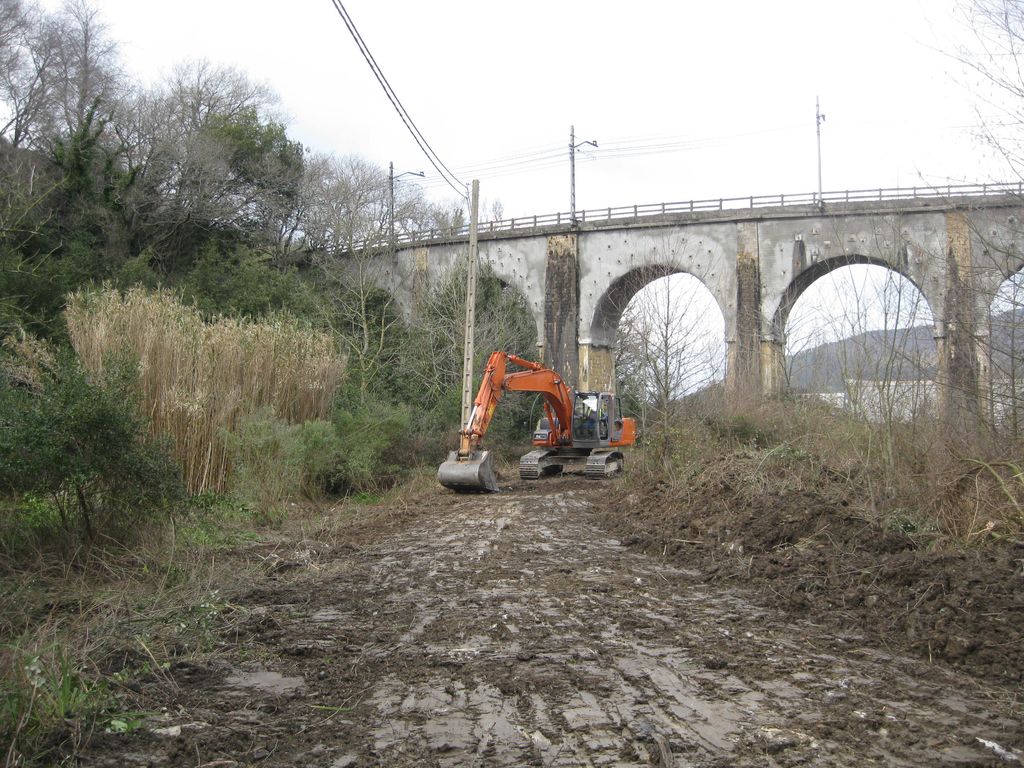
[471, 469]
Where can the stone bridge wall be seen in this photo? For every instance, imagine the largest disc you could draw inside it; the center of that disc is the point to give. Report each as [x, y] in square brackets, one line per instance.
[756, 264]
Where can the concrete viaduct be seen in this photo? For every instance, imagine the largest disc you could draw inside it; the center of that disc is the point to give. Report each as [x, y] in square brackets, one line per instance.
[955, 245]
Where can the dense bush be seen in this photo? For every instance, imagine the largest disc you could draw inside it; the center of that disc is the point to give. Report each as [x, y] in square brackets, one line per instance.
[80, 444]
[367, 446]
[378, 442]
[274, 461]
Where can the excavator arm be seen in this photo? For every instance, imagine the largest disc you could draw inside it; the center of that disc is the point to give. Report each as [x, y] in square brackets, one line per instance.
[470, 468]
[497, 380]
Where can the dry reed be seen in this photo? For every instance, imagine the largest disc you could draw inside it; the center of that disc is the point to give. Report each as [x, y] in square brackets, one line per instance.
[197, 379]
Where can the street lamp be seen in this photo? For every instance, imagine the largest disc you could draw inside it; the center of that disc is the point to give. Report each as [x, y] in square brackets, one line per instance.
[391, 196]
[818, 120]
[573, 146]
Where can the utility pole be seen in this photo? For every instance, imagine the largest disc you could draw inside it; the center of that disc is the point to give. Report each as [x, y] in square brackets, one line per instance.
[467, 353]
[572, 171]
[818, 120]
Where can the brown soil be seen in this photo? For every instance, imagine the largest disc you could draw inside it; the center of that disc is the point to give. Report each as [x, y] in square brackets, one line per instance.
[514, 630]
[809, 552]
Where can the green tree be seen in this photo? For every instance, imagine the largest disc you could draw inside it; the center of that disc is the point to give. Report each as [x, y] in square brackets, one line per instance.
[235, 281]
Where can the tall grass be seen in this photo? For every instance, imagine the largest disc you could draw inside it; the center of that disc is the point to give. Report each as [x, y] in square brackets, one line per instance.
[196, 379]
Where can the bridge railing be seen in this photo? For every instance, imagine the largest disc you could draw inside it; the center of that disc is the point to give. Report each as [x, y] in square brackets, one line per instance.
[638, 211]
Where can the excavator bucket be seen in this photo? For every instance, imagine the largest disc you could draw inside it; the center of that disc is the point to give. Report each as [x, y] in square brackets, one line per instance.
[474, 474]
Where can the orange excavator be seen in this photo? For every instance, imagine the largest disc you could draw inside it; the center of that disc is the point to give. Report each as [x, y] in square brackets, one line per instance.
[586, 430]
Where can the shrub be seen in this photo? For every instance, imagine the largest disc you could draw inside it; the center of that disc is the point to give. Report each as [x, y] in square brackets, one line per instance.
[82, 444]
[321, 452]
[275, 462]
[239, 283]
[377, 440]
[265, 459]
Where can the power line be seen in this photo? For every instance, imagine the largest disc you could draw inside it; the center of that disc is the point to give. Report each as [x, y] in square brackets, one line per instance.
[618, 149]
[453, 181]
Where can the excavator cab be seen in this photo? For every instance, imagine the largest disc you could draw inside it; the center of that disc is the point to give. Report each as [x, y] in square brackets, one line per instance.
[597, 420]
[585, 418]
[542, 433]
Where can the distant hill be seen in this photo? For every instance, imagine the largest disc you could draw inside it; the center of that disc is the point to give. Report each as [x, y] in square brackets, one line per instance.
[904, 354]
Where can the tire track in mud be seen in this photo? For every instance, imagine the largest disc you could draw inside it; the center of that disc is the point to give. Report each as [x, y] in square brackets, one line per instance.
[509, 630]
[530, 637]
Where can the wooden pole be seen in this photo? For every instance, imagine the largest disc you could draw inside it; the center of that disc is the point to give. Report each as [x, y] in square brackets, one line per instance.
[467, 355]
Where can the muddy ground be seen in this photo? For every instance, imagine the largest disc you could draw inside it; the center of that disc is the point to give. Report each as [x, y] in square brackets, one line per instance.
[519, 629]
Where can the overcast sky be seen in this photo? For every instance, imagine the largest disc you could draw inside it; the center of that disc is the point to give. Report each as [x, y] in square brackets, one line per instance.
[687, 100]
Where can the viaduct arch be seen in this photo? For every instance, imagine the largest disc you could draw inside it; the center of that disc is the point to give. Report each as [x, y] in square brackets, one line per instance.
[755, 262]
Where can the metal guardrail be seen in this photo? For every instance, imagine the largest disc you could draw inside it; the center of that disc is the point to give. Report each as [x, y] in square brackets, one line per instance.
[631, 212]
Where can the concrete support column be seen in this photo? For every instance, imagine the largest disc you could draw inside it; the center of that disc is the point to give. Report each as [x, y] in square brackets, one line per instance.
[597, 368]
[562, 307]
[773, 368]
[959, 354]
[743, 372]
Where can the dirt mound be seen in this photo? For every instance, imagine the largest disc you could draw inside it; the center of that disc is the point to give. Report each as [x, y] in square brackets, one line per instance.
[812, 548]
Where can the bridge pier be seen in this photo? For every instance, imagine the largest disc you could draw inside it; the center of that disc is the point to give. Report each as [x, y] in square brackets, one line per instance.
[773, 368]
[960, 356]
[561, 307]
[743, 363]
[986, 396]
[597, 368]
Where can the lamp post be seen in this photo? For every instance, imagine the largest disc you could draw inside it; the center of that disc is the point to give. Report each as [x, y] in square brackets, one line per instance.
[391, 196]
[818, 120]
[573, 146]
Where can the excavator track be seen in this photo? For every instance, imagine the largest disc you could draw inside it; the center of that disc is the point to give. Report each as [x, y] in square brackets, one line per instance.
[533, 464]
[537, 464]
[601, 465]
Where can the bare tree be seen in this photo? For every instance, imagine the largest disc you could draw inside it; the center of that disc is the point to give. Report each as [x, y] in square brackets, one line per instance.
[199, 90]
[87, 66]
[205, 151]
[27, 81]
[343, 208]
[365, 317]
[503, 321]
[992, 59]
[345, 205]
[874, 353]
[61, 70]
[446, 218]
[668, 349]
[1007, 356]
[862, 325]
[13, 22]
[493, 210]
